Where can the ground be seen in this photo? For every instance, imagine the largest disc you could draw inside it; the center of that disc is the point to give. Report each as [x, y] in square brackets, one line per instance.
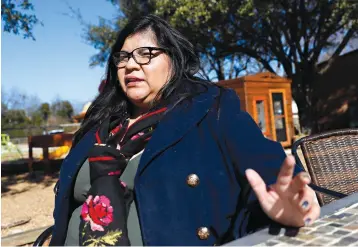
[24, 198]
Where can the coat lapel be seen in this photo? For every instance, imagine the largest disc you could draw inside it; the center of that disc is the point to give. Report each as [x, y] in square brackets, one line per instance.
[176, 124]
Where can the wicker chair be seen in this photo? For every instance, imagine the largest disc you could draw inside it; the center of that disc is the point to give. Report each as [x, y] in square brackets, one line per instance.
[332, 162]
[45, 238]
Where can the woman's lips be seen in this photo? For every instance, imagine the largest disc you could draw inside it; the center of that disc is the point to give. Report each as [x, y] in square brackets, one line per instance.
[134, 83]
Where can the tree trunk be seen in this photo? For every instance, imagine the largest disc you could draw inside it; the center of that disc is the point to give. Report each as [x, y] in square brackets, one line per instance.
[303, 92]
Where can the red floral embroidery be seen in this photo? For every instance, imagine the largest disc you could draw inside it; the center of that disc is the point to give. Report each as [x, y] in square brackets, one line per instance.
[98, 211]
[114, 173]
[137, 136]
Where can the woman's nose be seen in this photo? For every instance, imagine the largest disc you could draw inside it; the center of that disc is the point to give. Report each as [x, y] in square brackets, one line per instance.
[132, 64]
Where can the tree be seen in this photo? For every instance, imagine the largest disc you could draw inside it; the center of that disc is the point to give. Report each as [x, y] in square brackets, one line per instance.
[13, 98]
[296, 34]
[63, 109]
[292, 35]
[102, 35]
[18, 112]
[67, 109]
[17, 17]
[36, 119]
[14, 118]
[3, 107]
[16, 99]
[216, 63]
[45, 111]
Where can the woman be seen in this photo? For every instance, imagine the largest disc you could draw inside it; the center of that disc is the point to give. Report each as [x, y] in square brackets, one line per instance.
[164, 158]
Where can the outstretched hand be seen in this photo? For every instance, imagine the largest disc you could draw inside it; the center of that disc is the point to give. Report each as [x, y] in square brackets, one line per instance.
[290, 201]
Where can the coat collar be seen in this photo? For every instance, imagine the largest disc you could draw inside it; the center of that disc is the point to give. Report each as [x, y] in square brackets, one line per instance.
[176, 123]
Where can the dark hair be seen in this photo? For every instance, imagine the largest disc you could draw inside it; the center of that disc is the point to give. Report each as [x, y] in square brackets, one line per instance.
[182, 85]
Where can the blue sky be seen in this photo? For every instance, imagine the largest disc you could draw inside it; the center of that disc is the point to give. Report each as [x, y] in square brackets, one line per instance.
[56, 65]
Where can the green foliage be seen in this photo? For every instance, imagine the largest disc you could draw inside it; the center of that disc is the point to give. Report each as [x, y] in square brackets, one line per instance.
[201, 28]
[62, 109]
[294, 34]
[16, 123]
[3, 107]
[135, 8]
[17, 17]
[45, 111]
[103, 35]
[12, 118]
[102, 38]
[109, 239]
[287, 31]
[37, 119]
[23, 115]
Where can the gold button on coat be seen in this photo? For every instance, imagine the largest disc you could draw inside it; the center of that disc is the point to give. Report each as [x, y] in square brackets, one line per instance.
[203, 233]
[192, 180]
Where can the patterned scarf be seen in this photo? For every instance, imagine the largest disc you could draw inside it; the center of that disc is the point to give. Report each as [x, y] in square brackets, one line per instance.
[104, 214]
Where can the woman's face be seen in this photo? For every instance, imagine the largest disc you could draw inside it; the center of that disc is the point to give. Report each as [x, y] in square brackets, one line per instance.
[141, 83]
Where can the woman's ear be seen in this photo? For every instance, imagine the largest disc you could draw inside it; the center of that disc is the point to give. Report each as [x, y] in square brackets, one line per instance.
[192, 66]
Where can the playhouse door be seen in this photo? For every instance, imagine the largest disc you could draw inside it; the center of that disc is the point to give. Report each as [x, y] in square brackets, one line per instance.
[279, 116]
[261, 117]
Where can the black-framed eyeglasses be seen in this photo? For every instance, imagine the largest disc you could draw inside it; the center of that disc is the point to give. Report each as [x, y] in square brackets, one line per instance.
[141, 55]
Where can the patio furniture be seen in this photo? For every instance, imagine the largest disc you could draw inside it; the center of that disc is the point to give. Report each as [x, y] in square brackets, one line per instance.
[45, 142]
[44, 238]
[332, 162]
[336, 227]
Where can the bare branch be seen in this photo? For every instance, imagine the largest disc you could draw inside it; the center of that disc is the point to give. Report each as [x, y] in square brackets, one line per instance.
[232, 67]
[338, 51]
[204, 73]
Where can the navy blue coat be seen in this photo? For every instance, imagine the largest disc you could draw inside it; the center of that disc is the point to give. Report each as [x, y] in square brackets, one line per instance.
[217, 143]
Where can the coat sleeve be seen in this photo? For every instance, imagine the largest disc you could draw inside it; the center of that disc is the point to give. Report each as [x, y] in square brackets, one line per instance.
[247, 145]
[248, 148]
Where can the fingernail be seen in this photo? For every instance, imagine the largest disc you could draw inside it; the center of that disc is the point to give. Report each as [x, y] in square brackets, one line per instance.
[307, 221]
[305, 175]
[304, 204]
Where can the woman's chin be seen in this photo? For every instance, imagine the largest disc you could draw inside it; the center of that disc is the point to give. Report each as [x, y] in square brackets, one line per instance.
[138, 99]
[137, 94]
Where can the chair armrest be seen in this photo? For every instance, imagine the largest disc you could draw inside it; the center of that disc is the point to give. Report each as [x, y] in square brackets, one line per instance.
[327, 191]
[43, 237]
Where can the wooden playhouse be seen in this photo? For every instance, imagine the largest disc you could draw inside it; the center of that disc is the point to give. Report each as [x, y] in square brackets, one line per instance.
[268, 99]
